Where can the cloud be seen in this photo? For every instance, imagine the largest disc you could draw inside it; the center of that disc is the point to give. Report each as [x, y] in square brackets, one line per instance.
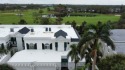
[95, 2]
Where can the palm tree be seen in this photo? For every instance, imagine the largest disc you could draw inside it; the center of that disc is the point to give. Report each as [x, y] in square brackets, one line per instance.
[6, 67]
[91, 39]
[74, 54]
[3, 50]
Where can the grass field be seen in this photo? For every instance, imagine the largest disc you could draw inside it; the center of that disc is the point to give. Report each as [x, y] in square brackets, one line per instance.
[11, 17]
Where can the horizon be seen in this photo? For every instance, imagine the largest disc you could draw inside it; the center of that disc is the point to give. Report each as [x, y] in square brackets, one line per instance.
[73, 2]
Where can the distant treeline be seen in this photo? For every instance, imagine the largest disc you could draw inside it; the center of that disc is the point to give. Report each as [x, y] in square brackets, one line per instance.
[104, 9]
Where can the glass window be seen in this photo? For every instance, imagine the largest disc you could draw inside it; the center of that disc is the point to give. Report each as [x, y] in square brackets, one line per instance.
[56, 45]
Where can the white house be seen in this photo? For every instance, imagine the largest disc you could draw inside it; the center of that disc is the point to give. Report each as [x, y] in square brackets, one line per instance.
[41, 47]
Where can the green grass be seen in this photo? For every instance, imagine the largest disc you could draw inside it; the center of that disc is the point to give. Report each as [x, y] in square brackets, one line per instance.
[10, 17]
[92, 20]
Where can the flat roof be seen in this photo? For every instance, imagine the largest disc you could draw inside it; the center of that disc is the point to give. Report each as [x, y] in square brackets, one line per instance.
[39, 30]
[120, 48]
[38, 56]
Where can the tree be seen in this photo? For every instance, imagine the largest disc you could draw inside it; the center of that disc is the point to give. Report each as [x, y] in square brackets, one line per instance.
[36, 17]
[61, 9]
[44, 21]
[84, 23]
[121, 23]
[2, 49]
[6, 67]
[74, 24]
[40, 11]
[2, 46]
[48, 9]
[68, 23]
[74, 54]
[91, 39]
[22, 21]
[114, 62]
[58, 20]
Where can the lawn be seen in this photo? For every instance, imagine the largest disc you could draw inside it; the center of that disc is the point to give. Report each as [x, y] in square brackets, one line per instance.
[92, 20]
[11, 17]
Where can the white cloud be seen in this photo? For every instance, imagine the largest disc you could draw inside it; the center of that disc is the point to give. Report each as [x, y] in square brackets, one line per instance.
[96, 2]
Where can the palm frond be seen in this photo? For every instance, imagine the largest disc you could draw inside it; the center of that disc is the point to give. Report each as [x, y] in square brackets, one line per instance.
[109, 42]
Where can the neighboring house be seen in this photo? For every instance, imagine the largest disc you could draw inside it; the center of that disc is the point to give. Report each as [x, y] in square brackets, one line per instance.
[41, 47]
[118, 37]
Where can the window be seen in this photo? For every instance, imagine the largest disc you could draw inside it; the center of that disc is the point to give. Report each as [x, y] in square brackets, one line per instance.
[51, 46]
[42, 46]
[23, 43]
[31, 46]
[47, 46]
[35, 46]
[65, 46]
[27, 45]
[56, 45]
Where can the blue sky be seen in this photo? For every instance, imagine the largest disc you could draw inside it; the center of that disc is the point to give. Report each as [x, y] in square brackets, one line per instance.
[87, 2]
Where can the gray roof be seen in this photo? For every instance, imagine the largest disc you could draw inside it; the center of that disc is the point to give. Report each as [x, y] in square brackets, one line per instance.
[118, 35]
[120, 48]
[60, 33]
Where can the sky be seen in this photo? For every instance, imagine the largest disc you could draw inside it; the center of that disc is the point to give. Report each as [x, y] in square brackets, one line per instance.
[83, 2]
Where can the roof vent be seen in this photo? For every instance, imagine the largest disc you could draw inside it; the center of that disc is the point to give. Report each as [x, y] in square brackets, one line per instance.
[46, 29]
[32, 30]
[11, 30]
[49, 29]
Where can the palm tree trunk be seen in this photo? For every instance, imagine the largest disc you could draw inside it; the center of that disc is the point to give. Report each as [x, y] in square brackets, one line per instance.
[75, 62]
[75, 66]
[94, 59]
[95, 54]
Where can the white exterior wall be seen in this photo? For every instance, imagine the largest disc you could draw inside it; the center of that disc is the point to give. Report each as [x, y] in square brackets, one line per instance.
[39, 42]
[43, 66]
[19, 41]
